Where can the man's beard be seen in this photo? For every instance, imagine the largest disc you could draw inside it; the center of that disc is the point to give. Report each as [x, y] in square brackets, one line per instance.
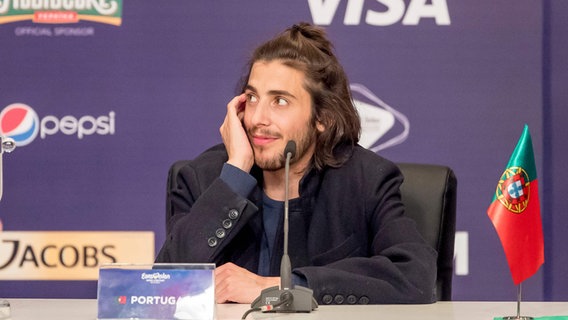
[303, 143]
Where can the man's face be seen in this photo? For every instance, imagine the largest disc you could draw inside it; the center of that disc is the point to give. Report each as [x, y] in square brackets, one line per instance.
[278, 109]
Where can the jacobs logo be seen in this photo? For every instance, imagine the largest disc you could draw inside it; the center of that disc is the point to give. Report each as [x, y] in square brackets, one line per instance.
[61, 11]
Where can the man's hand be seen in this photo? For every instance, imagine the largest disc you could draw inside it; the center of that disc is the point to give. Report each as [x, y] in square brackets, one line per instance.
[235, 137]
[236, 284]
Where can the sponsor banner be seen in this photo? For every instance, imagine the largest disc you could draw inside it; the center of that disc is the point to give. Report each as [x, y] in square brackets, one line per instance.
[61, 11]
[99, 112]
[69, 255]
[161, 291]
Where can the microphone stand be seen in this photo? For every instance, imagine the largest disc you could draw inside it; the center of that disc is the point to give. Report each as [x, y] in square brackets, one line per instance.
[285, 265]
[287, 298]
[6, 145]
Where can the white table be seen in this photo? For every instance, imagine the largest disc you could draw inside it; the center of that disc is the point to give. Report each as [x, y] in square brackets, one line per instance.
[63, 309]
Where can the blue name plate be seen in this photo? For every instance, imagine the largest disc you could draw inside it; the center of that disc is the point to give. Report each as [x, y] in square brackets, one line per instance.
[159, 291]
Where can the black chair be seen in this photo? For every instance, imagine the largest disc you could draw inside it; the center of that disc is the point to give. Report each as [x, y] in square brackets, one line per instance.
[429, 194]
[172, 185]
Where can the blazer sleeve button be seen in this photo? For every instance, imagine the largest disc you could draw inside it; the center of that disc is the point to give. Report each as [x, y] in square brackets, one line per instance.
[220, 233]
[351, 299]
[327, 299]
[363, 300]
[212, 242]
[227, 223]
[233, 214]
[339, 299]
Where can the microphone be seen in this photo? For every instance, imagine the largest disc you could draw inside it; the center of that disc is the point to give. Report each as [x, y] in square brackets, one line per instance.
[286, 299]
[290, 149]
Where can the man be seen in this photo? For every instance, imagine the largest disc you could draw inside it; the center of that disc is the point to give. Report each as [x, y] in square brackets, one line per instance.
[350, 241]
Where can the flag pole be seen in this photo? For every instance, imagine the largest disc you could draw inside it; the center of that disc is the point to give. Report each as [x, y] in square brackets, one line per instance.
[518, 316]
[519, 295]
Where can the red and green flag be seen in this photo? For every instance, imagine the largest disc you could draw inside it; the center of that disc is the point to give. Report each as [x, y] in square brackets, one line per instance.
[515, 212]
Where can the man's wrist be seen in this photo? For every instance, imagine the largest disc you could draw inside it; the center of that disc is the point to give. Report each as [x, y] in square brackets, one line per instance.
[270, 282]
[243, 165]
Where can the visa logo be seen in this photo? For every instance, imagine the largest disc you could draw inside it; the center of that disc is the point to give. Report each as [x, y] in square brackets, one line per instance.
[324, 11]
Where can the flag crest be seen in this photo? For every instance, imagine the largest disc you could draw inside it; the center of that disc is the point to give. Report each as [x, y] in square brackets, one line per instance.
[513, 189]
[515, 212]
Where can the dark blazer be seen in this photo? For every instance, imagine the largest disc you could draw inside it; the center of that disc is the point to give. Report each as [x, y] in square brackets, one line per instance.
[349, 237]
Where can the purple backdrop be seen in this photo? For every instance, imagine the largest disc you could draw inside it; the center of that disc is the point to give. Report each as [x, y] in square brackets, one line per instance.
[467, 82]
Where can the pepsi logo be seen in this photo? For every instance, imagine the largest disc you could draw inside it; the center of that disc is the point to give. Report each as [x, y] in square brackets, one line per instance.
[19, 122]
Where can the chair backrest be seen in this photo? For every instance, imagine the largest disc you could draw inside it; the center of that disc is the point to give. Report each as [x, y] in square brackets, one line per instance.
[172, 185]
[429, 194]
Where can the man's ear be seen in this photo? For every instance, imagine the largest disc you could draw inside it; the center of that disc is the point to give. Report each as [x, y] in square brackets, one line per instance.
[320, 127]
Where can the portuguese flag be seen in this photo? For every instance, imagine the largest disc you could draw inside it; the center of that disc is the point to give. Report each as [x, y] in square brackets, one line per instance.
[515, 212]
